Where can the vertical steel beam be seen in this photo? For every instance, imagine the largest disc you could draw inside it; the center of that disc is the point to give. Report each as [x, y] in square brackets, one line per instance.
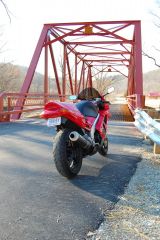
[46, 75]
[138, 62]
[1, 101]
[34, 61]
[83, 82]
[75, 83]
[69, 74]
[89, 77]
[81, 77]
[87, 80]
[55, 72]
[1, 105]
[131, 76]
[31, 71]
[64, 73]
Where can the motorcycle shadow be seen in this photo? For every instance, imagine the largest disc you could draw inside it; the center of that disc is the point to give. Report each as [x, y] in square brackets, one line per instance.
[108, 177]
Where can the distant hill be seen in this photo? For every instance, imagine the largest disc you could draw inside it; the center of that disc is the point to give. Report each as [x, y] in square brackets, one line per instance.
[151, 81]
[37, 83]
[12, 78]
[17, 74]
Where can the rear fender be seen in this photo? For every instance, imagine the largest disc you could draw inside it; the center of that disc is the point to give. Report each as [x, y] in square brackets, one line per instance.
[62, 109]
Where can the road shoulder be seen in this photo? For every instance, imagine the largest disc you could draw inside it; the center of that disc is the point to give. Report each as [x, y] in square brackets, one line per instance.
[137, 215]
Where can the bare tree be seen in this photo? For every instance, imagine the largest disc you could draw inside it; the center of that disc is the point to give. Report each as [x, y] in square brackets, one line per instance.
[6, 9]
[157, 24]
[151, 57]
[9, 75]
[102, 81]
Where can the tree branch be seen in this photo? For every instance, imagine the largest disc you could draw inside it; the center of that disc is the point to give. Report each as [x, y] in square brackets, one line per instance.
[6, 8]
[146, 55]
[156, 49]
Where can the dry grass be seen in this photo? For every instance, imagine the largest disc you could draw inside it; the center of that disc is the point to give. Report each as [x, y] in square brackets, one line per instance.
[126, 220]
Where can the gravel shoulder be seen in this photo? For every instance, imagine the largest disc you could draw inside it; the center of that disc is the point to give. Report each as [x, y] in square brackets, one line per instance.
[137, 215]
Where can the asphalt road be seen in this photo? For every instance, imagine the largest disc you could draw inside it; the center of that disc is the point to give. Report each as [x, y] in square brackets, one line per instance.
[36, 203]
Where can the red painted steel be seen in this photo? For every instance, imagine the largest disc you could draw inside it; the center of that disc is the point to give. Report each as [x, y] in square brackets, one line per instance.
[75, 83]
[63, 109]
[55, 71]
[33, 101]
[31, 71]
[46, 86]
[1, 101]
[69, 75]
[138, 60]
[113, 46]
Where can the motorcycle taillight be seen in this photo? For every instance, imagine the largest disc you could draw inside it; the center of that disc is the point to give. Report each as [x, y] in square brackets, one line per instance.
[51, 106]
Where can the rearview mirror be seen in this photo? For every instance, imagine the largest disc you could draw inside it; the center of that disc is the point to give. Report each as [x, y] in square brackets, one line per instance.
[72, 97]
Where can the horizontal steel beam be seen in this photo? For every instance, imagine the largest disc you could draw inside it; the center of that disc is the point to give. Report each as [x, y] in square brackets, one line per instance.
[89, 23]
[105, 53]
[100, 42]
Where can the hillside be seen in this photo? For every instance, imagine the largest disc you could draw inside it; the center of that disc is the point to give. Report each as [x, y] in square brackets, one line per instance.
[151, 81]
[12, 77]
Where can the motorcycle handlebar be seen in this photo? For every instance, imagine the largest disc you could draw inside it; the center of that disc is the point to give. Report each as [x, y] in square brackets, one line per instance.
[103, 101]
[106, 102]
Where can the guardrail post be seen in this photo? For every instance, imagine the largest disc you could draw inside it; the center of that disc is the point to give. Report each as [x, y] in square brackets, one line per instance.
[1, 106]
[156, 149]
[140, 101]
[3, 117]
[1, 102]
[143, 100]
[9, 104]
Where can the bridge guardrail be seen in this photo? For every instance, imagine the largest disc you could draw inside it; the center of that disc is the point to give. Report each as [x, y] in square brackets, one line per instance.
[10, 103]
[149, 127]
[135, 101]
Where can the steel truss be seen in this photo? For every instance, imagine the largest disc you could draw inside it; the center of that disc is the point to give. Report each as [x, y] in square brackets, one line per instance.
[88, 49]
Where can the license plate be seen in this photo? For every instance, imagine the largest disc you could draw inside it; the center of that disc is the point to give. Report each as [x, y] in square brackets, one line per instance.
[52, 122]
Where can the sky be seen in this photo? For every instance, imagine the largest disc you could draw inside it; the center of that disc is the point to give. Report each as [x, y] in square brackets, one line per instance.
[28, 16]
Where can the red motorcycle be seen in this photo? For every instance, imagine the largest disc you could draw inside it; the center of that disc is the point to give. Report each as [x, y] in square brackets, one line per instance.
[81, 129]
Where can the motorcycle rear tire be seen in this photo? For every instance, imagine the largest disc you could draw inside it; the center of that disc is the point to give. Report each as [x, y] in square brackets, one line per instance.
[67, 156]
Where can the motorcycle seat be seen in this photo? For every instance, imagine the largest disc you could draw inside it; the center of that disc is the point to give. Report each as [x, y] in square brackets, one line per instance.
[87, 108]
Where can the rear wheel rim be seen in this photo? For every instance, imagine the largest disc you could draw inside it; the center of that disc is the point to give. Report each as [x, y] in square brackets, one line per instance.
[104, 146]
[73, 158]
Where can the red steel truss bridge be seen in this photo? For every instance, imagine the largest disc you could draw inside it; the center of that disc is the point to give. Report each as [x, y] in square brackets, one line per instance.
[87, 49]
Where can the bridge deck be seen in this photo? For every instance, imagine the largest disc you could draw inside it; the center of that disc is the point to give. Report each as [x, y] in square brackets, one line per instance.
[37, 203]
[121, 112]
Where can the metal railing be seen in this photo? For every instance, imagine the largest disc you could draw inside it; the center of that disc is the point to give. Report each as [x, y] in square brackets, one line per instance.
[135, 101]
[32, 101]
[149, 127]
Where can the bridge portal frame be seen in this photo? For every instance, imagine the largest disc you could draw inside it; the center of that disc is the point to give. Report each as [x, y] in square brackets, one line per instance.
[109, 51]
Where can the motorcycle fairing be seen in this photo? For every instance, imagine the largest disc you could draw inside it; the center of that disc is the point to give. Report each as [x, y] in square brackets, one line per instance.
[63, 109]
[101, 126]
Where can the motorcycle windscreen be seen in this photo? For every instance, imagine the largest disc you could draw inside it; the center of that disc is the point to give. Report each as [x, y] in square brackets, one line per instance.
[88, 94]
[87, 108]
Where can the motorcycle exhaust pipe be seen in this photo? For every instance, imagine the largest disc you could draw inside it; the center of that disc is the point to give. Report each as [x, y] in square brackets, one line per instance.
[76, 137]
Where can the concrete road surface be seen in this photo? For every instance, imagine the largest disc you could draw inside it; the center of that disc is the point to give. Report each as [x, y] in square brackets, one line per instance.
[36, 203]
